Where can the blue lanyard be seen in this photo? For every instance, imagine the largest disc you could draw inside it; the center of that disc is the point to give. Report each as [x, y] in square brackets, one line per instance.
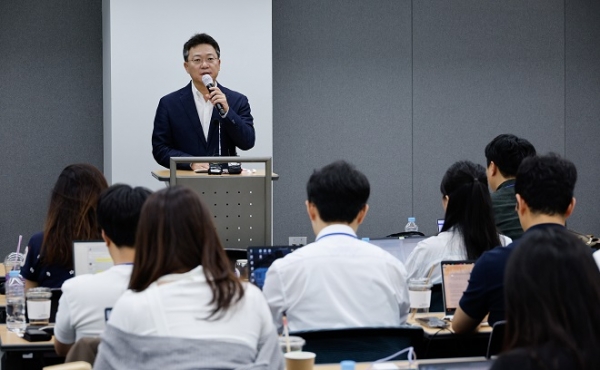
[332, 234]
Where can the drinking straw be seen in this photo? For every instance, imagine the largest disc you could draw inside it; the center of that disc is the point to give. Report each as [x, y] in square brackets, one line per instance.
[286, 333]
[19, 245]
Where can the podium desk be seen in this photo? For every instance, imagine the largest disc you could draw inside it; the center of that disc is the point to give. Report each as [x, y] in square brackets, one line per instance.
[21, 354]
[444, 343]
[241, 205]
[165, 175]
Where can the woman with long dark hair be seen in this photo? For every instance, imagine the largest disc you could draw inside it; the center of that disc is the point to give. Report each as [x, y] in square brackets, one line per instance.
[552, 295]
[186, 309]
[469, 227]
[71, 216]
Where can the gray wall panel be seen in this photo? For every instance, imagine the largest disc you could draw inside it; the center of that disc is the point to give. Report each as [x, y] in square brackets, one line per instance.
[341, 76]
[50, 104]
[481, 69]
[583, 109]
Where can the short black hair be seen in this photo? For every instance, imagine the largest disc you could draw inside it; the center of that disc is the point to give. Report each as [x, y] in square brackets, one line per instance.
[507, 151]
[199, 39]
[339, 191]
[118, 212]
[546, 183]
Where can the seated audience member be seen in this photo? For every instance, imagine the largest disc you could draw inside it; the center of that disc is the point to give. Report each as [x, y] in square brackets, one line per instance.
[338, 281]
[186, 309]
[469, 228]
[504, 154]
[552, 298]
[544, 190]
[81, 309]
[71, 216]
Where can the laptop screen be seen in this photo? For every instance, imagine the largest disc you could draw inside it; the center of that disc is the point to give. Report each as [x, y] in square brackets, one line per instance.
[90, 257]
[472, 365]
[261, 258]
[440, 224]
[455, 279]
[400, 248]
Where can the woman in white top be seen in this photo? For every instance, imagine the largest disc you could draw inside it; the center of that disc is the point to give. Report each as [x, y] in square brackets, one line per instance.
[185, 308]
[469, 227]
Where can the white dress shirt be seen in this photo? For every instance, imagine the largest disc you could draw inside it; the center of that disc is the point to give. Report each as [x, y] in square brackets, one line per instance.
[84, 299]
[337, 282]
[178, 305]
[446, 246]
[204, 108]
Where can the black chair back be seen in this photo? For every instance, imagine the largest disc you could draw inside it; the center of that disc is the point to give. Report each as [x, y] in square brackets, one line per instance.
[361, 344]
[437, 299]
[496, 339]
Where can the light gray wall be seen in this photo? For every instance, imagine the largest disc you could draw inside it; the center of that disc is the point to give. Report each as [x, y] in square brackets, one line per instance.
[343, 88]
[582, 109]
[50, 104]
[405, 88]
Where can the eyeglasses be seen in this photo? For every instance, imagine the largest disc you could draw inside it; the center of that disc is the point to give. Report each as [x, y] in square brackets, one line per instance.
[200, 61]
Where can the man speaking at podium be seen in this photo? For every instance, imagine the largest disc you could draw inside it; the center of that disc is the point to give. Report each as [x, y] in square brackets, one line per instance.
[200, 120]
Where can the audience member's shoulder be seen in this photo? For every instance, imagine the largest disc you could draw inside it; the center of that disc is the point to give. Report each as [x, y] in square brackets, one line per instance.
[77, 282]
[491, 257]
[516, 359]
[35, 243]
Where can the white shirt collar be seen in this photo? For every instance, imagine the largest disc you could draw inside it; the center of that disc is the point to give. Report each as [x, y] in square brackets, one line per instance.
[336, 229]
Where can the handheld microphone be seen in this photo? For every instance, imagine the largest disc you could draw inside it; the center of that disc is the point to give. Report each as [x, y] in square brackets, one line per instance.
[208, 82]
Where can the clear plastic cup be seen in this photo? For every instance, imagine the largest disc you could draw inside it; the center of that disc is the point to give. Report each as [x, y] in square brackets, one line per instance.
[419, 294]
[296, 344]
[38, 306]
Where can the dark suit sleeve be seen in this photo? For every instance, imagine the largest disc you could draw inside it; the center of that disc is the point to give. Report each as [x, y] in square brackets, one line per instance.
[162, 140]
[238, 124]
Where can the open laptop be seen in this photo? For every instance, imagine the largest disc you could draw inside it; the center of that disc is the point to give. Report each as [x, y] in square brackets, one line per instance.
[399, 247]
[261, 258]
[455, 279]
[90, 257]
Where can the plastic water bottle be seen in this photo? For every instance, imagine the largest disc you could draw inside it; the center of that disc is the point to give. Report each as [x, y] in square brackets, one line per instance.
[411, 225]
[15, 303]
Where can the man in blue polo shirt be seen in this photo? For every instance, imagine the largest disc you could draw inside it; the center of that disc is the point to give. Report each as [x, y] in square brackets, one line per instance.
[544, 193]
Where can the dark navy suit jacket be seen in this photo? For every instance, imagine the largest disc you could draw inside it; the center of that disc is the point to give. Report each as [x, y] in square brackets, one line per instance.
[178, 131]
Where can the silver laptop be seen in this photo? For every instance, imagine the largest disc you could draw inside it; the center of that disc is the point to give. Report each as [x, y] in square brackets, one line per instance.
[90, 257]
[455, 279]
[399, 247]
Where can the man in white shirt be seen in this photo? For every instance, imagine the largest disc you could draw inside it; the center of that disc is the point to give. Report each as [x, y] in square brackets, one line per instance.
[85, 298]
[338, 281]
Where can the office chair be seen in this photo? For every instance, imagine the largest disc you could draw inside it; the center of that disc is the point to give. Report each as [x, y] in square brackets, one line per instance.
[360, 344]
[496, 339]
[437, 299]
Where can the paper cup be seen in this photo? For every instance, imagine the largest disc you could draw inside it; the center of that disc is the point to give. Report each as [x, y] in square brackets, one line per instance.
[299, 360]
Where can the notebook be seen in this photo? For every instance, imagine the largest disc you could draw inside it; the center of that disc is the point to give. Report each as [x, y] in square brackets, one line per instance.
[398, 247]
[455, 279]
[261, 258]
[90, 257]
